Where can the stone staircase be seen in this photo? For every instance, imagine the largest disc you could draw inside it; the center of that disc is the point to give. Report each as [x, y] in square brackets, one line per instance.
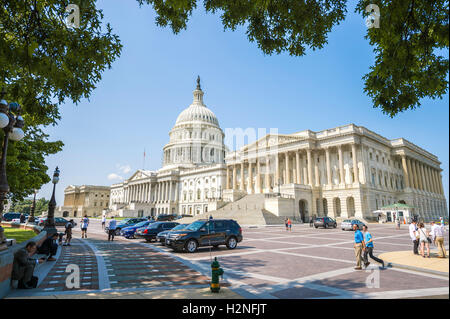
[248, 210]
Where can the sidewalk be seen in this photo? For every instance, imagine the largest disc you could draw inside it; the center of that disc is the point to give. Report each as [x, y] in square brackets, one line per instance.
[190, 293]
[406, 259]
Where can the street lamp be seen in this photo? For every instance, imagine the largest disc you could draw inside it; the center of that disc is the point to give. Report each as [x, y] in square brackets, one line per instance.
[50, 222]
[12, 123]
[33, 206]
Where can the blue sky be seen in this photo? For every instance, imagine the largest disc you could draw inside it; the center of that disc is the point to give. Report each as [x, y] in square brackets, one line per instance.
[137, 102]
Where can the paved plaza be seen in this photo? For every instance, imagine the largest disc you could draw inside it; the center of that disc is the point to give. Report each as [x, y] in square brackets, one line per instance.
[269, 263]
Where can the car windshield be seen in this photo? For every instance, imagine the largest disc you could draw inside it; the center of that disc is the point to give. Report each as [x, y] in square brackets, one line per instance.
[153, 226]
[195, 225]
[141, 224]
[347, 221]
[179, 227]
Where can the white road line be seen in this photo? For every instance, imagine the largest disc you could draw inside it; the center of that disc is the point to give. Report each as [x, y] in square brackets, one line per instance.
[103, 279]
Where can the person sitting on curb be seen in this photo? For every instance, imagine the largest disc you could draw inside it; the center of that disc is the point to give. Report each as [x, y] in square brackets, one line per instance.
[49, 247]
[23, 266]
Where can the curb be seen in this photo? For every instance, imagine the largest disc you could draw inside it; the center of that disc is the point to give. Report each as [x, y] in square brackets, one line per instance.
[418, 269]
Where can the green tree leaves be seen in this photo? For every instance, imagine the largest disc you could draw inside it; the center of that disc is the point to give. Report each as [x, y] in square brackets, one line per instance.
[43, 63]
[409, 64]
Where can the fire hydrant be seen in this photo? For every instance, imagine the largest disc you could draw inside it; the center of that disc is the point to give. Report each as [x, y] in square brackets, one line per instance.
[216, 272]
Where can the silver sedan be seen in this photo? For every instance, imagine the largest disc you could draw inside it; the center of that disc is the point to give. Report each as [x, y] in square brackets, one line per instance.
[348, 224]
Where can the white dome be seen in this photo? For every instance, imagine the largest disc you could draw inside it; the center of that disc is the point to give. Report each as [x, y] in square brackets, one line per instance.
[197, 112]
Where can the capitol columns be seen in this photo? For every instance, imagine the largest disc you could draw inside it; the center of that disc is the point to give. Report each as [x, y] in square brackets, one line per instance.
[422, 173]
[309, 160]
[277, 171]
[250, 177]
[267, 175]
[410, 175]
[287, 168]
[405, 170]
[234, 176]
[341, 165]
[316, 169]
[297, 166]
[170, 191]
[258, 175]
[242, 186]
[228, 177]
[328, 163]
[355, 164]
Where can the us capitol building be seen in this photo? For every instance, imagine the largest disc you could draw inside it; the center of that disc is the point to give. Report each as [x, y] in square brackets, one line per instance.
[341, 172]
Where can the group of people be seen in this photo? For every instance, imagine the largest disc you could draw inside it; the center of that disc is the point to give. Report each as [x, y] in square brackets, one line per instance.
[288, 224]
[422, 238]
[364, 247]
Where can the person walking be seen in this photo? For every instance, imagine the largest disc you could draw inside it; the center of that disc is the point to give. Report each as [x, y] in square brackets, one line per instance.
[424, 240]
[103, 221]
[442, 221]
[286, 223]
[69, 227]
[398, 222]
[368, 243]
[289, 222]
[112, 228]
[437, 234]
[84, 226]
[359, 246]
[311, 222]
[22, 218]
[414, 235]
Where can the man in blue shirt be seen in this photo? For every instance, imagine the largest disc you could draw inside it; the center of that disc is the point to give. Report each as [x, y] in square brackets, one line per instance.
[368, 241]
[112, 228]
[359, 245]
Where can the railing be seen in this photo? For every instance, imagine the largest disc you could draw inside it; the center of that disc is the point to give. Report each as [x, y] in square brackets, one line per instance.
[279, 195]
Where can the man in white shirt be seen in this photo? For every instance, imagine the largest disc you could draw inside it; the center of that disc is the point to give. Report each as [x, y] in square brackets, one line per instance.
[437, 233]
[112, 228]
[103, 220]
[413, 234]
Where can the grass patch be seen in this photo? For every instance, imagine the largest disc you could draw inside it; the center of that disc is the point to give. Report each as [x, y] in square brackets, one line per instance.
[20, 235]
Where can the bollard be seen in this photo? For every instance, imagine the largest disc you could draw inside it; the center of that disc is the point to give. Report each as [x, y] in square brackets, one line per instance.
[216, 272]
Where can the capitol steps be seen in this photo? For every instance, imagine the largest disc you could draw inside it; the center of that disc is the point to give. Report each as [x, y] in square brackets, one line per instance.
[248, 210]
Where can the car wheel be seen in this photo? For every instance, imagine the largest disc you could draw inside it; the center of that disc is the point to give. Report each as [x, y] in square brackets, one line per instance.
[117, 232]
[335, 225]
[231, 243]
[191, 246]
[316, 227]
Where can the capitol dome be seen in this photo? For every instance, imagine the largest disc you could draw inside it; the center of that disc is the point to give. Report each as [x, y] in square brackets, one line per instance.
[197, 111]
[196, 138]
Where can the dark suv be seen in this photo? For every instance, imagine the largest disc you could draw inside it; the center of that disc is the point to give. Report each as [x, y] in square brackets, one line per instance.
[149, 233]
[325, 222]
[213, 232]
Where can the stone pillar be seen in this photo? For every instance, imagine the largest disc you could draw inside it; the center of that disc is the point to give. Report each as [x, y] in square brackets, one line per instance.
[405, 171]
[436, 190]
[158, 198]
[355, 164]
[277, 170]
[267, 176]
[419, 176]
[341, 165]
[250, 177]
[150, 192]
[176, 192]
[414, 173]
[309, 159]
[427, 178]
[228, 178]
[410, 173]
[316, 170]
[297, 166]
[422, 175]
[441, 186]
[258, 176]
[170, 191]
[288, 173]
[328, 163]
[167, 191]
[242, 186]
[305, 170]
[234, 176]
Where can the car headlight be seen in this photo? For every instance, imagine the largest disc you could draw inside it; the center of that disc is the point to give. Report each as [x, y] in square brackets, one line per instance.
[177, 236]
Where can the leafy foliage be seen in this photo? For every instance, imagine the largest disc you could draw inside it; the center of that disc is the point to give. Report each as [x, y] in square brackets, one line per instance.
[24, 206]
[409, 44]
[43, 63]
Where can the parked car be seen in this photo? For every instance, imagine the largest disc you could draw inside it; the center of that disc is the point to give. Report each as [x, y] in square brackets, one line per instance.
[126, 223]
[128, 232]
[325, 222]
[151, 231]
[161, 237]
[59, 221]
[348, 224]
[204, 232]
[163, 218]
[182, 216]
[8, 217]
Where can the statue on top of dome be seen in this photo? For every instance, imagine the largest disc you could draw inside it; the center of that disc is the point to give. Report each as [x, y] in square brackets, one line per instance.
[198, 83]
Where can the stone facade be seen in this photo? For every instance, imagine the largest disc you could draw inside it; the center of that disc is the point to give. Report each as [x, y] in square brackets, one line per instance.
[84, 200]
[342, 172]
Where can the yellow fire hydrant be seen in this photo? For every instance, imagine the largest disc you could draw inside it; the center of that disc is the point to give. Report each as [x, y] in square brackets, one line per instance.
[216, 272]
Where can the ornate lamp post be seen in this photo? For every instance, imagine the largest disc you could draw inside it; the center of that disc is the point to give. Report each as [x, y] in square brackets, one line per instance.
[50, 222]
[33, 206]
[12, 123]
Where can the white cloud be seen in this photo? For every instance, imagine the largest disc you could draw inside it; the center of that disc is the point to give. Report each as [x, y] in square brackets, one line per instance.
[114, 176]
[124, 169]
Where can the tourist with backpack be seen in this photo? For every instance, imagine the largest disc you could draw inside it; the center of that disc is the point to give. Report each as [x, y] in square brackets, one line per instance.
[84, 226]
[68, 233]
